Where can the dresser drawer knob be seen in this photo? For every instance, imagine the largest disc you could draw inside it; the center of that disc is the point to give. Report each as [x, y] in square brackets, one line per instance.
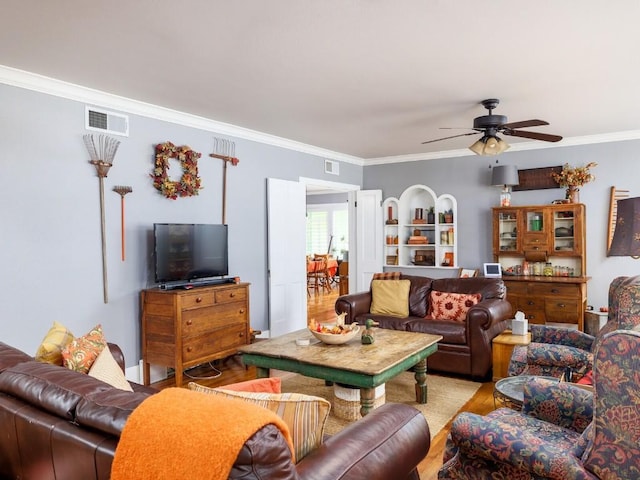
[189, 349]
[241, 310]
[555, 290]
[199, 300]
[232, 294]
[561, 305]
[241, 334]
[530, 302]
[189, 322]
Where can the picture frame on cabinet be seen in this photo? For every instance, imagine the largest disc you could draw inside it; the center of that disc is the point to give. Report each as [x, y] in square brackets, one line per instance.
[467, 273]
[492, 270]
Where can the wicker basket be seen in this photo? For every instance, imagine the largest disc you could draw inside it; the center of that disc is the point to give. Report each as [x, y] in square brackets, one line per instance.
[346, 401]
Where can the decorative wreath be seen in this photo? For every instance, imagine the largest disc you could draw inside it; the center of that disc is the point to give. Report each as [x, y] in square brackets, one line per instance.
[189, 184]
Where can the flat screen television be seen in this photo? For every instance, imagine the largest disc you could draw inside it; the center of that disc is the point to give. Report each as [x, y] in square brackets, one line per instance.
[190, 252]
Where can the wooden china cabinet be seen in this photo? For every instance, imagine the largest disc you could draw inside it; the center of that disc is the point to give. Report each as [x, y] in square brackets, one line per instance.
[542, 251]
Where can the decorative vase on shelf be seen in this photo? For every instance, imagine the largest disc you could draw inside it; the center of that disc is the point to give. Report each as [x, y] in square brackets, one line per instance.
[573, 194]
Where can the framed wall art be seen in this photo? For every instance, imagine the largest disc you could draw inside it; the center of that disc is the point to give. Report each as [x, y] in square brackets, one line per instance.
[537, 178]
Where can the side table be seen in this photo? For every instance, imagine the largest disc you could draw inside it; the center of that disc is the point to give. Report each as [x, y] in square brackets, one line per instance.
[594, 321]
[509, 392]
[503, 348]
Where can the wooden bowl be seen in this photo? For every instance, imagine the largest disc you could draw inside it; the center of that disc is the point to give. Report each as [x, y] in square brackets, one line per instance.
[336, 338]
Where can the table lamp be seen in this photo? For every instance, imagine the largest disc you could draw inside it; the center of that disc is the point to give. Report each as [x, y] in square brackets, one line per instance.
[505, 176]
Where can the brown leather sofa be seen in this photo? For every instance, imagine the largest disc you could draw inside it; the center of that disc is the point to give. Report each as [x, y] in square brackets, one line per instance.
[60, 424]
[466, 346]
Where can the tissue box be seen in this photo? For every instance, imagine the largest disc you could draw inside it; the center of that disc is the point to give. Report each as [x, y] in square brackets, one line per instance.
[519, 327]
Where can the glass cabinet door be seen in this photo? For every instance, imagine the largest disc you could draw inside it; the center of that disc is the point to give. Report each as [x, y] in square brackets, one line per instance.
[534, 221]
[564, 232]
[507, 223]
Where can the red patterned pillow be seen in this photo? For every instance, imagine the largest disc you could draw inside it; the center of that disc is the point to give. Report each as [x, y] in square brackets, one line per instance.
[80, 354]
[451, 306]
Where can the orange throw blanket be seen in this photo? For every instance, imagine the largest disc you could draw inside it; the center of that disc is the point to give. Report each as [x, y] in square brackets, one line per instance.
[179, 434]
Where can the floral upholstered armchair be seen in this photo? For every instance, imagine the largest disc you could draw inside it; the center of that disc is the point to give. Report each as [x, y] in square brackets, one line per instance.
[563, 432]
[554, 351]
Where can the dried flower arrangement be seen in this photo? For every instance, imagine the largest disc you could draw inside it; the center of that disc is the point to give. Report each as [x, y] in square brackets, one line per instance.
[574, 176]
[189, 183]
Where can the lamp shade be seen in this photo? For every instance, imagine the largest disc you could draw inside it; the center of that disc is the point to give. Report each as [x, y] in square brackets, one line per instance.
[626, 237]
[505, 175]
[489, 145]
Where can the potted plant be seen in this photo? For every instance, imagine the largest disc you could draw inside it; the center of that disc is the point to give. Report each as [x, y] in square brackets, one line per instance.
[448, 216]
[431, 216]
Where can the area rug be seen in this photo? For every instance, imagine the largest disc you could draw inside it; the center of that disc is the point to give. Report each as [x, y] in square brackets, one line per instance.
[445, 396]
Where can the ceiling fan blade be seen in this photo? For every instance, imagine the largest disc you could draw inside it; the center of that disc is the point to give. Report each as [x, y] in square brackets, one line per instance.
[524, 123]
[545, 137]
[453, 136]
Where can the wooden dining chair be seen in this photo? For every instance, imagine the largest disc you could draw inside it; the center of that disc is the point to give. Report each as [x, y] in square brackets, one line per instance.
[323, 278]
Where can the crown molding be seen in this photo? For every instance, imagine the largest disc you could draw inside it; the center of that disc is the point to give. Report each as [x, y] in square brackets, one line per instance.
[59, 88]
[39, 83]
[517, 147]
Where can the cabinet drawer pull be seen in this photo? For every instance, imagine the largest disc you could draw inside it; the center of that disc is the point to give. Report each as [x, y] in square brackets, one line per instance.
[555, 290]
[198, 299]
[241, 334]
[232, 294]
[561, 305]
[189, 322]
[189, 349]
[241, 310]
[531, 302]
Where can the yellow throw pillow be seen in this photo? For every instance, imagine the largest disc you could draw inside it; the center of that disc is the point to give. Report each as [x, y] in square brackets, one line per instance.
[390, 297]
[106, 368]
[305, 415]
[56, 339]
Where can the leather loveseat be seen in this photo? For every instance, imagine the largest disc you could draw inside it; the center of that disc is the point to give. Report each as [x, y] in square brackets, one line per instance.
[466, 345]
[59, 424]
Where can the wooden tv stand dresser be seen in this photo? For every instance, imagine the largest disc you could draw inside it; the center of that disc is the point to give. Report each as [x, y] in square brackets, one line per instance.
[185, 328]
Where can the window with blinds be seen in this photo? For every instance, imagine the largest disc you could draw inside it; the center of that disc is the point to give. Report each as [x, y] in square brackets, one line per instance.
[327, 229]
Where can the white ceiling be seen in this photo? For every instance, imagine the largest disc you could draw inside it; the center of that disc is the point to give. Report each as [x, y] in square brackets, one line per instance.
[368, 78]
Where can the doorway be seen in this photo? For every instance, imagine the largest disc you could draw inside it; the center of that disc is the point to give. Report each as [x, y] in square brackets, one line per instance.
[325, 201]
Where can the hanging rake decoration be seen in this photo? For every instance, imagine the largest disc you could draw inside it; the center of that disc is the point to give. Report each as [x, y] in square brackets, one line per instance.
[102, 149]
[122, 190]
[225, 150]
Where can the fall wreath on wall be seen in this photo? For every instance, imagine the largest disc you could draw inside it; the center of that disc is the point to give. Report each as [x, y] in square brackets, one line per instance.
[189, 183]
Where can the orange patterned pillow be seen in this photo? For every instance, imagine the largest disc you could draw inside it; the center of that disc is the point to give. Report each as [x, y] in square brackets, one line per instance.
[451, 306]
[80, 354]
[263, 385]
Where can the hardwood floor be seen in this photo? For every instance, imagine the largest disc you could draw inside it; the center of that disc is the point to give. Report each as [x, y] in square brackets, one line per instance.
[321, 308]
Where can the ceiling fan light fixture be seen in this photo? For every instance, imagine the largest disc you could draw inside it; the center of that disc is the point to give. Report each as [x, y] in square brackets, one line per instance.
[489, 145]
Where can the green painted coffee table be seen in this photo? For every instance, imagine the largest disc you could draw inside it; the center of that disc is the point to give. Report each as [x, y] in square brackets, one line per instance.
[355, 364]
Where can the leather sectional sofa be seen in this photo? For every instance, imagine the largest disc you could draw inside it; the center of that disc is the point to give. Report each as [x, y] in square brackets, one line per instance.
[59, 424]
[466, 345]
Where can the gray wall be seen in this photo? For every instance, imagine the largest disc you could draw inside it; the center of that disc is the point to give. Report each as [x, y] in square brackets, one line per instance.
[50, 249]
[468, 179]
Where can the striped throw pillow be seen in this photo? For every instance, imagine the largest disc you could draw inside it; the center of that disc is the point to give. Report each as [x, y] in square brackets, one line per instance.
[305, 415]
[386, 276]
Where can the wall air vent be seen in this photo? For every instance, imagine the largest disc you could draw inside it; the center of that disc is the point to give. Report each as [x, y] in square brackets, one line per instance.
[331, 167]
[106, 122]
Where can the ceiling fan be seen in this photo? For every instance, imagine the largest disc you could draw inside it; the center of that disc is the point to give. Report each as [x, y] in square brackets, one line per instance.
[490, 125]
